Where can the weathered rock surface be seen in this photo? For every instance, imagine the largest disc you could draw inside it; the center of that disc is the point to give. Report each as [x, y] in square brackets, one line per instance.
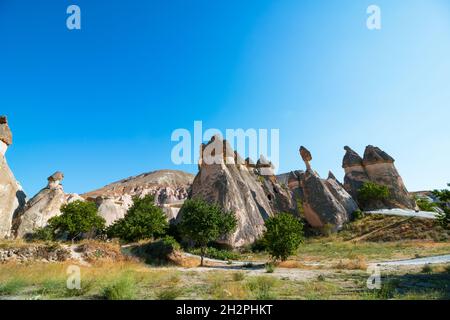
[5, 132]
[12, 197]
[238, 186]
[377, 167]
[112, 209]
[324, 201]
[170, 188]
[44, 205]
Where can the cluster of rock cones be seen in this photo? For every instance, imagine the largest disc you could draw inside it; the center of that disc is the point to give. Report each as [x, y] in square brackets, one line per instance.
[252, 191]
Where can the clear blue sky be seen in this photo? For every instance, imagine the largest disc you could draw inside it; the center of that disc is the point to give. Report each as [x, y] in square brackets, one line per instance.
[101, 103]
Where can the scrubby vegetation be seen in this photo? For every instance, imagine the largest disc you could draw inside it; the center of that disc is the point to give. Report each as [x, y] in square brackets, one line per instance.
[371, 191]
[157, 252]
[393, 228]
[123, 288]
[425, 205]
[144, 220]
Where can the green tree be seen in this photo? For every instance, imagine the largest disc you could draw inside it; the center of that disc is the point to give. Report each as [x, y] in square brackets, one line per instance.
[77, 217]
[444, 203]
[203, 223]
[425, 205]
[283, 235]
[144, 220]
[443, 218]
[372, 192]
[443, 195]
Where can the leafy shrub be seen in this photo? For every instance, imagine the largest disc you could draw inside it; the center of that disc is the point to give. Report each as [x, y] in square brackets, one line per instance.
[259, 245]
[443, 218]
[77, 217]
[122, 289]
[425, 205]
[300, 208]
[372, 192]
[203, 223]
[144, 220]
[427, 269]
[270, 267]
[213, 253]
[443, 195]
[43, 234]
[283, 235]
[357, 215]
[157, 252]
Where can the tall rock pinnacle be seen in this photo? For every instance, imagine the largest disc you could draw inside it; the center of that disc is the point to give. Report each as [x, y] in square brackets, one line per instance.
[12, 198]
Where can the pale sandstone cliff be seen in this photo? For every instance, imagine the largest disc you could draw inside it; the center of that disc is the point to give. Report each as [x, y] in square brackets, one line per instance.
[12, 197]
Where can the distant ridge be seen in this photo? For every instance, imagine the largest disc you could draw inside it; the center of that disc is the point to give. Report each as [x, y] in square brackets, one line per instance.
[160, 178]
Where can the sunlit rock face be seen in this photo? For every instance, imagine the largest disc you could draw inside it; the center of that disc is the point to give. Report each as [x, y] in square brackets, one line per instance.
[169, 187]
[12, 197]
[377, 167]
[44, 205]
[113, 209]
[325, 202]
[225, 179]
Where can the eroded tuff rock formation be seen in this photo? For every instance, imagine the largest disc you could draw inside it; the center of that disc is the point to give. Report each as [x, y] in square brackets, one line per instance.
[249, 190]
[44, 205]
[324, 201]
[170, 188]
[12, 198]
[378, 167]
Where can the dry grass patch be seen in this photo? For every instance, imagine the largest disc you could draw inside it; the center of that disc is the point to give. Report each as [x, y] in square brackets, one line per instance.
[352, 264]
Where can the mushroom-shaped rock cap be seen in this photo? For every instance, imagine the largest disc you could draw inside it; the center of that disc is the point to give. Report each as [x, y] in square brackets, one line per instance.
[263, 162]
[351, 158]
[5, 132]
[305, 154]
[376, 155]
[57, 176]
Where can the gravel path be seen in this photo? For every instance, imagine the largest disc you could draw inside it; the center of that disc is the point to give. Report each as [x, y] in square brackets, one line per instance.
[404, 213]
[417, 261]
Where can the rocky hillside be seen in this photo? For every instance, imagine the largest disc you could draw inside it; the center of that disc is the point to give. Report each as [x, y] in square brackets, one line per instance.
[170, 188]
[144, 183]
[249, 190]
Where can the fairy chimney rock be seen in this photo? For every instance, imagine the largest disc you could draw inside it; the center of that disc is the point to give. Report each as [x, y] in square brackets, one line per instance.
[306, 156]
[55, 180]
